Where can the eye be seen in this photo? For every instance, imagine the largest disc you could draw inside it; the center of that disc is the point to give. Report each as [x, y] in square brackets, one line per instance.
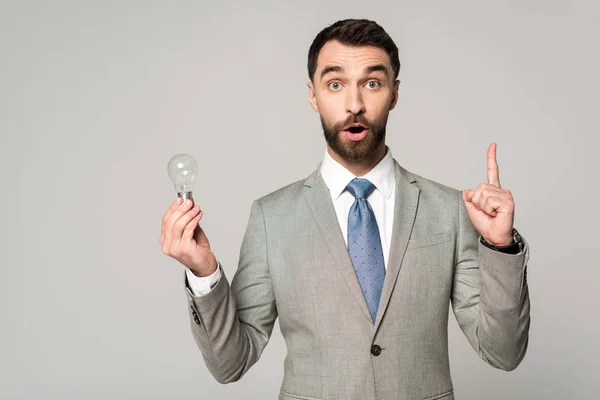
[335, 86]
[373, 85]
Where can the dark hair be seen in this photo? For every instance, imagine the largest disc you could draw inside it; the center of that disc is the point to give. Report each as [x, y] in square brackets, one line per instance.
[354, 32]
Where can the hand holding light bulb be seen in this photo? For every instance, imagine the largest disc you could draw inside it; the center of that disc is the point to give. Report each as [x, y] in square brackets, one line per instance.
[181, 236]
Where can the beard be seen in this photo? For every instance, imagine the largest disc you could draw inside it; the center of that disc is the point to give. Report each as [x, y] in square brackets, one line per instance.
[350, 150]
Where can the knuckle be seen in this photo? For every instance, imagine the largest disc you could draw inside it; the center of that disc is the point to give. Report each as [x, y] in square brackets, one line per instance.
[181, 224]
[167, 225]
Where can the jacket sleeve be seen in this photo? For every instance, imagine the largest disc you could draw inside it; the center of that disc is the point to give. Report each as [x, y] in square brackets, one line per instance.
[490, 297]
[232, 324]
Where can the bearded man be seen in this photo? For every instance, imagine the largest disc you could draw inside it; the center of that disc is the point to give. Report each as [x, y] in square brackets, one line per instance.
[361, 260]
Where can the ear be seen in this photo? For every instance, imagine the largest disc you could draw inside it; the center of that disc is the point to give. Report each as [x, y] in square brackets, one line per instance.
[312, 97]
[395, 95]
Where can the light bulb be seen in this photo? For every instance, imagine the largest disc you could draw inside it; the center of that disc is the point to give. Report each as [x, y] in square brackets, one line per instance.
[183, 170]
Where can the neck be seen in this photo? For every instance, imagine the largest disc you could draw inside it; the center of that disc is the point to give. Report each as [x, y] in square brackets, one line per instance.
[362, 167]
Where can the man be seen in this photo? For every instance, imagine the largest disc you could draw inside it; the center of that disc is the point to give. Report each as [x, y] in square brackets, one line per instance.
[361, 260]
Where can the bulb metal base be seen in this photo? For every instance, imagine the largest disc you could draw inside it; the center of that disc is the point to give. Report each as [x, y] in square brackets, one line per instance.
[185, 195]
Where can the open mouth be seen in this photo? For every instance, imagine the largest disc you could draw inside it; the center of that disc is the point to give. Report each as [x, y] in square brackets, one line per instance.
[356, 129]
[356, 132]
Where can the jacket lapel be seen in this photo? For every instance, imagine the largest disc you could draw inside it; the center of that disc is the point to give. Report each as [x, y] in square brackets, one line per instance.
[405, 211]
[321, 207]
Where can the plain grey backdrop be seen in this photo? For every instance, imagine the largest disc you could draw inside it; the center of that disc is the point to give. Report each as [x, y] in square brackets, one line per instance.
[95, 98]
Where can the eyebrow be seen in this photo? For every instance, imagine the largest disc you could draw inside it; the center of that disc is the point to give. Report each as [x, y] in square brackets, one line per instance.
[371, 69]
[331, 68]
[378, 67]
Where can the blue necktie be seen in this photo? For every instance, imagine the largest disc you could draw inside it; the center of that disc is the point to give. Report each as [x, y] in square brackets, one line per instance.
[364, 244]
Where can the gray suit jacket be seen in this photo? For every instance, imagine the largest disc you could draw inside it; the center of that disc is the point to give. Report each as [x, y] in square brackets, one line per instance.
[294, 264]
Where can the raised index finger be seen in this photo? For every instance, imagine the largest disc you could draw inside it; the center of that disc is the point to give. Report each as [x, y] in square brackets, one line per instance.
[493, 174]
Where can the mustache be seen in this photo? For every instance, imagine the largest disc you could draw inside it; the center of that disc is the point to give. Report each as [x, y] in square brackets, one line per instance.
[353, 119]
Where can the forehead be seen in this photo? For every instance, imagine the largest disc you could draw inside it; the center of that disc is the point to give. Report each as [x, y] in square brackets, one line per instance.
[334, 53]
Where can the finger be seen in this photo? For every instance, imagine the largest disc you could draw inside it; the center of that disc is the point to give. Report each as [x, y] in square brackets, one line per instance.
[480, 202]
[172, 208]
[181, 224]
[170, 217]
[166, 216]
[188, 232]
[491, 205]
[171, 230]
[493, 173]
[487, 190]
[467, 195]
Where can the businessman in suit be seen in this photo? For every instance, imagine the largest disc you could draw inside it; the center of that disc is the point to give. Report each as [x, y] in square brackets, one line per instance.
[362, 259]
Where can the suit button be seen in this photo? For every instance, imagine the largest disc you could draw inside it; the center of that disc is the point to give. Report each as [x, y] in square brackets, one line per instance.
[196, 320]
[375, 350]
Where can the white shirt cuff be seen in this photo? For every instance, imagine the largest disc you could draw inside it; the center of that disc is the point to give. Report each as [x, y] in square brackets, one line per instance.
[199, 286]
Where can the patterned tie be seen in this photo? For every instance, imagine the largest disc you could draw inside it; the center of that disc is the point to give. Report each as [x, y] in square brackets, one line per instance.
[364, 244]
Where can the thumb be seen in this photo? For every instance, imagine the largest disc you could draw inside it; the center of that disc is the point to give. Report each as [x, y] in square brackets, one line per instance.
[200, 237]
[467, 195]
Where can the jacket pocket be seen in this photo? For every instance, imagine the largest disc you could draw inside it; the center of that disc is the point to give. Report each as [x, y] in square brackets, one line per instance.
[284, 395]
[448, 395]
[429, 240]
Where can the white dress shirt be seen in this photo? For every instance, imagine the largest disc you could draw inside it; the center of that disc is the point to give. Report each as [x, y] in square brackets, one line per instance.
[336, 178]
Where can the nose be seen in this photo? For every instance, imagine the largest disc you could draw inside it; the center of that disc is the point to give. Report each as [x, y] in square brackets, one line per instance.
[354, 102]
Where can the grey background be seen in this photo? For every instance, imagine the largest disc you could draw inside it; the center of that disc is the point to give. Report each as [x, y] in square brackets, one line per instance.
[95, 98]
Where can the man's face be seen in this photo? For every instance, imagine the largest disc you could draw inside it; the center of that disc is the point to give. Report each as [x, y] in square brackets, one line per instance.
[353, 90]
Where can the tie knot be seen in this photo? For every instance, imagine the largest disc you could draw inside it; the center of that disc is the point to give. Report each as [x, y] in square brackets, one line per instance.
[360, 188]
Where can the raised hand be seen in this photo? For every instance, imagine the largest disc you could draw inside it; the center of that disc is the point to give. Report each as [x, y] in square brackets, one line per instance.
[182, 238]
[490, 207]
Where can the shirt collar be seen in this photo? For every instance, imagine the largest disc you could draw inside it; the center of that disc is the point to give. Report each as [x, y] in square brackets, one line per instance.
[336, 177]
